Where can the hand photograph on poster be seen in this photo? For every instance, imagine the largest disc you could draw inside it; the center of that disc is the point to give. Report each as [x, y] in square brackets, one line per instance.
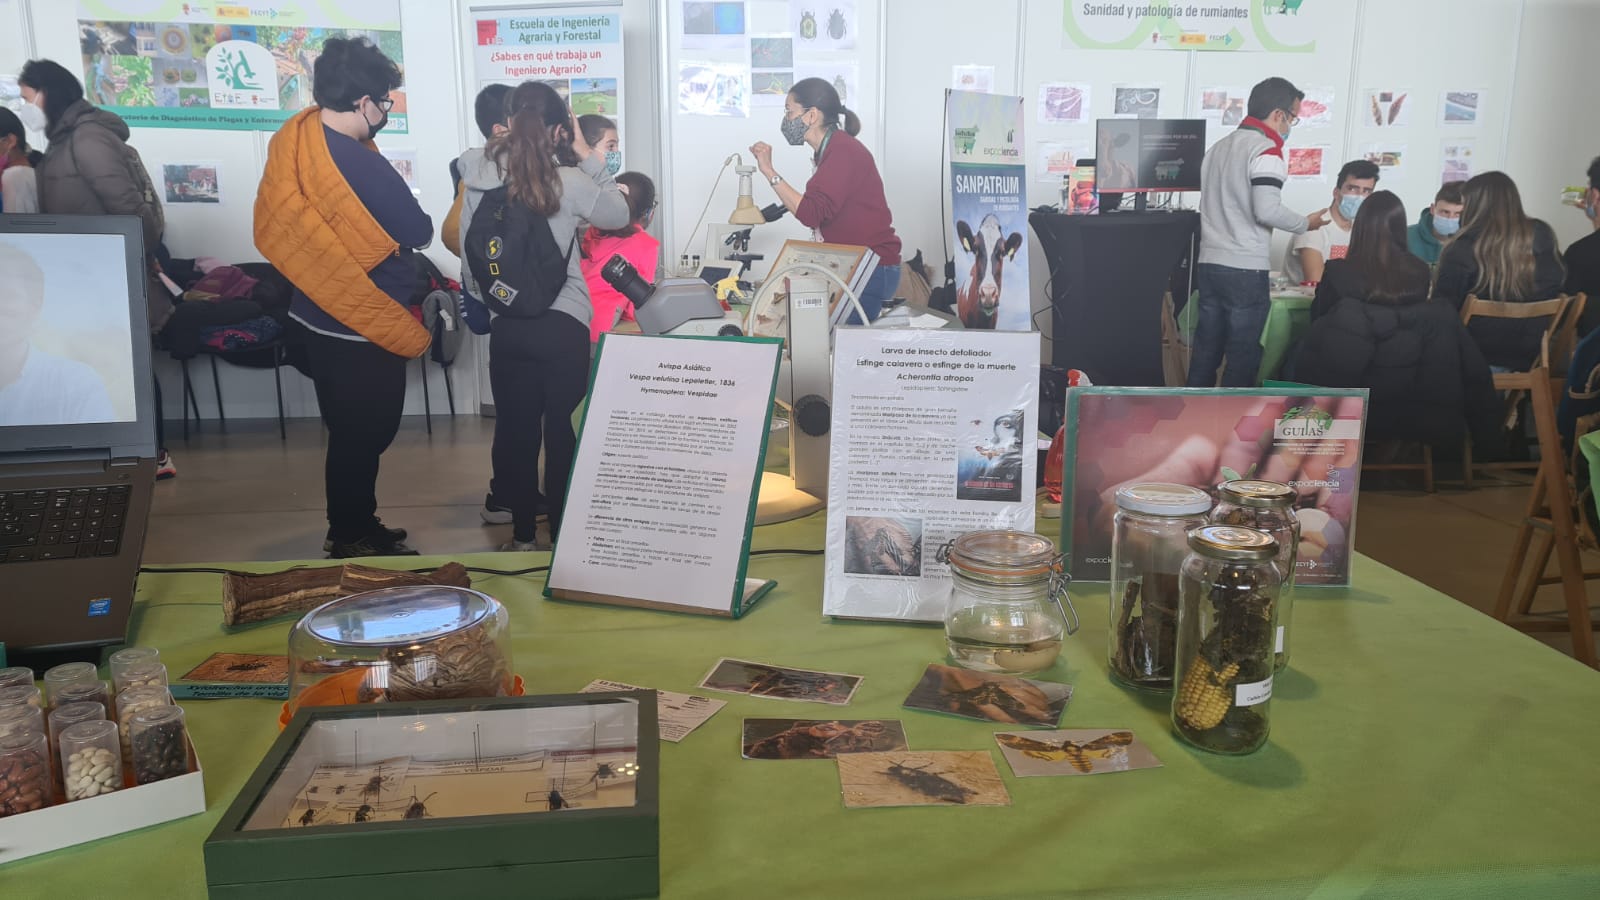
[883, 545]
[990, 462]
[1309, 440]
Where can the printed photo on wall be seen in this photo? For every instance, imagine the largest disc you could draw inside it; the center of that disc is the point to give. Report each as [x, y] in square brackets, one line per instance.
[1063, 104]
[1456, 161]
[972, 78]
[713, 89]
[718, 25]
[824, 26]
[883, 545]
[593, 96]
[989, 466]
[1388, 109]
[1316, 109]
[1306, 163]
[191, 182]
[772, 52]
[845, 78]
[1460, 107]
[1389, 157]
[1136, 102]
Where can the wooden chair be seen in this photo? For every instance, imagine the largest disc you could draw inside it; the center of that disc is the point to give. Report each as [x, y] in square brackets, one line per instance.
[1517, 384]
[1425, 466]
[1552, 512]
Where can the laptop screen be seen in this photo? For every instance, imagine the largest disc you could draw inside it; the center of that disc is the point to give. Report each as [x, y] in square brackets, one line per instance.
[74, 343]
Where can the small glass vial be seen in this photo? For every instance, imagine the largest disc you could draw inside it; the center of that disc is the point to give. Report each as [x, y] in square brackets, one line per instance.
[1267, 506]
[1150, 540]
[21, 695]
[138, 675]
[63, 717]
[21, 718]
[1226, 617]
[90, 763]
[15, 676]
[84, 692]
[1009, 608]
[132, 702]
[24, 773]
[160, 745]
[126, 658]
[67, 673]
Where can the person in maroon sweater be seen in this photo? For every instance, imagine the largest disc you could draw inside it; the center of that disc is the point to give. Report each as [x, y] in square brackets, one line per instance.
[843, 201]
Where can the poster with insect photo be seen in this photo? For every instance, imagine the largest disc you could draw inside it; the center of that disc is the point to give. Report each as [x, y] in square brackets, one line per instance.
[1309, 439]
[1388, 108]
[1074, 752]
[933, 434]
[771, 69]
[910, 778]
[824, 24]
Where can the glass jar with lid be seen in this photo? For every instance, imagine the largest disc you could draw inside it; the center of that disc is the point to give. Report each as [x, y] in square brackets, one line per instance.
[1150, 540]
[1226, 617]
[421, 642]
[1009, 609]
[1267, 506]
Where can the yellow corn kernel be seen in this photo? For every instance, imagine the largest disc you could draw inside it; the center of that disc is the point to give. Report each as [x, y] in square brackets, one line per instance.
[1203, 697]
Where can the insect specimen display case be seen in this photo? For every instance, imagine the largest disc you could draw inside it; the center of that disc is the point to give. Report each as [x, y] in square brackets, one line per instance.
[495, 795]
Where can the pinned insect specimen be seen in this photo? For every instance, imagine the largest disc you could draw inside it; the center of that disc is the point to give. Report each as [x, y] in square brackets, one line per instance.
[930, 784]
[1081, 756]
[418, 808]
[374, 785]
[364, 813]
[308, 817]
[556, 801]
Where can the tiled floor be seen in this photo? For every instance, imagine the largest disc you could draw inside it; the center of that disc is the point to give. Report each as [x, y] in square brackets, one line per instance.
[246, 495]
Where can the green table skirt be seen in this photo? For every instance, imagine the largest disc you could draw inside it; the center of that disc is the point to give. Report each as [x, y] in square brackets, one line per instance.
[1418, 749]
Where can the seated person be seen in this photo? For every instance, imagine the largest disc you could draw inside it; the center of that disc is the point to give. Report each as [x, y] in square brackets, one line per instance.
[1310, 251]
[635, 244]
[1500, 254]
[601, 133]
[1583, 257]
[1438, 224]
[39, 388]
[1377, 329]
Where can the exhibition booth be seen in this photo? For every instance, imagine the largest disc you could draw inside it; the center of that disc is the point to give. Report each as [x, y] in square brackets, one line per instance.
[973, 601]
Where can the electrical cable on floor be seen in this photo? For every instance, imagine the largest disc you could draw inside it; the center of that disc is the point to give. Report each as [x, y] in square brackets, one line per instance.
[211, 570]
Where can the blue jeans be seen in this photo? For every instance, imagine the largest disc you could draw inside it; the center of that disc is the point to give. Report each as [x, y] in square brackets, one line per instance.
[1233, 310]
[879, 290]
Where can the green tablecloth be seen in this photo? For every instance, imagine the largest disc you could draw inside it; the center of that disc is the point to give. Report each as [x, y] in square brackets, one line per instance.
[1418, 749]
[1288, 319]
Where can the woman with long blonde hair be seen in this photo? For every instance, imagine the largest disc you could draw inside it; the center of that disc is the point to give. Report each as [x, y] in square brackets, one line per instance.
[539, 364]
[1500, 254]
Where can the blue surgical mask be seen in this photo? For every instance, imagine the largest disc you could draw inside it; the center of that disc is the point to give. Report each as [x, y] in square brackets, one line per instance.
[1349, 204]
[1591, 211]
[613, 161]
[1446, 227]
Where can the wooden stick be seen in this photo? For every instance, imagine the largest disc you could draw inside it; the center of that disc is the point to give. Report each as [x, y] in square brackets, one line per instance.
[248, 598]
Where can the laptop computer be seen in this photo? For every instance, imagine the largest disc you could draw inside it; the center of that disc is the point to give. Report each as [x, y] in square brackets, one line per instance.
[77, 428]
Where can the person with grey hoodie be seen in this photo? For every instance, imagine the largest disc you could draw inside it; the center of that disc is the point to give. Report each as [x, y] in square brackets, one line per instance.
[538, 367]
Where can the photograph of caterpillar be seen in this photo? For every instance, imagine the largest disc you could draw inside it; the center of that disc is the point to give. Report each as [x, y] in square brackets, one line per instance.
[881, 545]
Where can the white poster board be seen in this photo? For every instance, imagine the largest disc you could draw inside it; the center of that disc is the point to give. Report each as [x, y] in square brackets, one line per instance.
[575, 48]
[933, 436]
[663, 492]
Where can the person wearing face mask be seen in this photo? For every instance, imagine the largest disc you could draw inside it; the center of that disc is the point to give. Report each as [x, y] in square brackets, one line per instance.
[1583, 257]
[19, 188]
[339, 222]
[1310, 252]
[843, 201]
[601, 133]
[1241, 202]
[1439, 223]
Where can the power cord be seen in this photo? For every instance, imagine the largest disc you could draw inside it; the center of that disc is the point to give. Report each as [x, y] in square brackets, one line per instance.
[709, 197]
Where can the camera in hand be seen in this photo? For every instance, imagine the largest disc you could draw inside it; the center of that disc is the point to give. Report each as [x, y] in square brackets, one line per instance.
[675, 306]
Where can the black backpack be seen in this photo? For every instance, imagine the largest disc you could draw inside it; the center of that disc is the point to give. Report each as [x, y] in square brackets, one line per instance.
[514, 258]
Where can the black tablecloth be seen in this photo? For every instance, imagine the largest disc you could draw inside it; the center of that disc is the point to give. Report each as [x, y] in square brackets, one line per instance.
[1108, 275]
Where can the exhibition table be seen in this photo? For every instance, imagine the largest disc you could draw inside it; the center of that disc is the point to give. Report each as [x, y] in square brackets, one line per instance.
[1288, 319]
[1108, 277]
[1418, 749]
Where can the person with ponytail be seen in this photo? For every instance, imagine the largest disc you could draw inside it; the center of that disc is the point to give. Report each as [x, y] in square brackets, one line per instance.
[19, 188]
[843, 201]
[1500, 254]
[539, 366]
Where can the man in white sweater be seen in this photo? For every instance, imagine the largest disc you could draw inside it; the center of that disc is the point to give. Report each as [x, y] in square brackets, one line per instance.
[1240, 204]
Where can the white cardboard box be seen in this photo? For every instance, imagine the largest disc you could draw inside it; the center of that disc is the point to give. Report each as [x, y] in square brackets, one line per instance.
[81, 821]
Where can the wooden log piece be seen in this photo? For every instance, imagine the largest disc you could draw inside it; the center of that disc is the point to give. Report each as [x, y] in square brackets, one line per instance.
[249, 597]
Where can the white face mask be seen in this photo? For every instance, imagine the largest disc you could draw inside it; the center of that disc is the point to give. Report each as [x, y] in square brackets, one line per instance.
[33, 118]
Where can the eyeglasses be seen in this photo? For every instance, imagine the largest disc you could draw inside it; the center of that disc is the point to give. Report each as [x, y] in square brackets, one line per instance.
[383, 105]
[1293, 119]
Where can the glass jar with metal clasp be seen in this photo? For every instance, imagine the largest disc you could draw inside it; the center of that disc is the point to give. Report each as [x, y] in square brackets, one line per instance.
[1009, 610]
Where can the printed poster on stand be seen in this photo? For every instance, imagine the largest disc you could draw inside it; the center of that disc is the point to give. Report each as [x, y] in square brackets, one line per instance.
[933, 436]
[1306, 437]
[223, 67]
[988, 202]
[575, 49]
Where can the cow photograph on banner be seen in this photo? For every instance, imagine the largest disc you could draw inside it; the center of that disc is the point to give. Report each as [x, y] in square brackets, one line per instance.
[989, 210]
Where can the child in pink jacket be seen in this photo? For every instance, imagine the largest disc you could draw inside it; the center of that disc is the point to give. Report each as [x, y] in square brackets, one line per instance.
[635, 244]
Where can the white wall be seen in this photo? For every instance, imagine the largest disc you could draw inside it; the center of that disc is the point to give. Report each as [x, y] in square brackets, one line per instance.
[1553, 133]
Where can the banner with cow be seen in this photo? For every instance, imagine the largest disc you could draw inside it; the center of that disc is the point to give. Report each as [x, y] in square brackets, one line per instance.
[988, 174]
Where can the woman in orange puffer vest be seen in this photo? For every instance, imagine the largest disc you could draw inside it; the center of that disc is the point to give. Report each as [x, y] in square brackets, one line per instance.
[340, 223]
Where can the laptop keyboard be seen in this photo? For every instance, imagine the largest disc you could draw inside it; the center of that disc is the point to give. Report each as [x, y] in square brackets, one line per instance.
[62, 523]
